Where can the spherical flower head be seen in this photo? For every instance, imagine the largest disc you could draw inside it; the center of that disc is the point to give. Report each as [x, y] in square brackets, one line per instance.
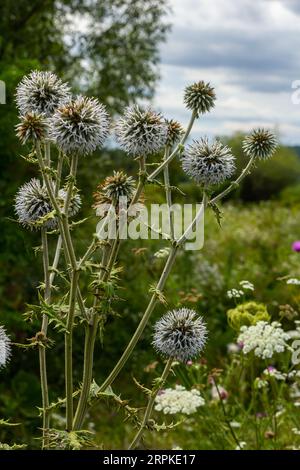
[33, 203]
[200, 97]
[246, 314]
[264, 339]
[208, 164]
[80, 126]
[175, 132]
[74, 205]
[296, 246]
[32, 127]
[114, 187]
[261, 143]
[42, 93]
[180, 334]
[5, 347]
[141, 132]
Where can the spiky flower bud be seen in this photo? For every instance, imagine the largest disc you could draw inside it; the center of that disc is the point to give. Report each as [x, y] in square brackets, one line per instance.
[80, 126]
[199, 97]
[33, 204]
[261, 143]
[180, 334]
[42, 93]
[208, 164]
[141, 131]
[5, 347]
[175, 132]
[32, 127]
[113, 188]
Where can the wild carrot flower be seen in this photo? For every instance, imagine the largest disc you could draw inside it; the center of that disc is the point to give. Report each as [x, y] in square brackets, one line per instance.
[264, 339]
[180, 334]
[199, 97]
[41, 93]
[208, 164]
[261, 143]
[141, 131]
[80, 126]
[5, 347]
[178, 400]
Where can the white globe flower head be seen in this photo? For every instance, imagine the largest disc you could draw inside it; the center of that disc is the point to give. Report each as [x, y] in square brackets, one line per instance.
[32, 127]
[42, 93]
[180, 334]
[33, 203]
[261, 143]
[264, 339]
[5, 347]
[208, 164]
[80, 126]
[141, 132]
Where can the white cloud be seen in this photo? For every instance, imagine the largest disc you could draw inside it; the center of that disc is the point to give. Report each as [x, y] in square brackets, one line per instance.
[248, 50]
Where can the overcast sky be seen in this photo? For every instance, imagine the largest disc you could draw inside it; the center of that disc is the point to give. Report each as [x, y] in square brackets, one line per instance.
[250, 52]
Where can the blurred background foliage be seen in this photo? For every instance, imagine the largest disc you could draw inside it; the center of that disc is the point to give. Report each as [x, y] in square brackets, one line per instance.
[115, 58]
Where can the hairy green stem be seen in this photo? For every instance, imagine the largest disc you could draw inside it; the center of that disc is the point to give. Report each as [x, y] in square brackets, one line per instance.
[42, 347]
[150, 404]
[169, 195]
[135, 338]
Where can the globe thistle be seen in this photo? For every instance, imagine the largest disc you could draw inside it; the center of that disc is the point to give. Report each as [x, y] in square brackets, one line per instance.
[33, 203]
[141, 131]
[80, 126]
[111, 190]
[42, 93]
[32, 127]
[199, 97]
[208, 164]
[74, 204]
[175, 131]
[261, 143]
[180, 334]
[5, 347]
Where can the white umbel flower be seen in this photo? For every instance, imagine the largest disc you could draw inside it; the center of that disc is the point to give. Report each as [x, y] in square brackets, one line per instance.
[178, 400]
[80, 126]
[141, 132]
[5, 347]
[264, 339]
[180, 334]
[42, 93]
[208, 164]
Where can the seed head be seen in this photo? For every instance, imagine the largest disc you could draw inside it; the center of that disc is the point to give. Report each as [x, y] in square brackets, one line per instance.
[199, 97]
[32, 127]
[180, 334]
[175, 132]
[261, 143]
[208, 164]
[141, 131]
[41, 93]
[80, 126]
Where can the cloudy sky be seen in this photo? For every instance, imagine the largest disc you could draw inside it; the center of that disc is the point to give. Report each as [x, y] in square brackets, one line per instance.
[250, 52]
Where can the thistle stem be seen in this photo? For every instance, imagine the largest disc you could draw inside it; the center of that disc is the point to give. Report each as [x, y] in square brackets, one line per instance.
[135, 338]
[150, 404]
[42, 348]
[168, 160]
[169, 195]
